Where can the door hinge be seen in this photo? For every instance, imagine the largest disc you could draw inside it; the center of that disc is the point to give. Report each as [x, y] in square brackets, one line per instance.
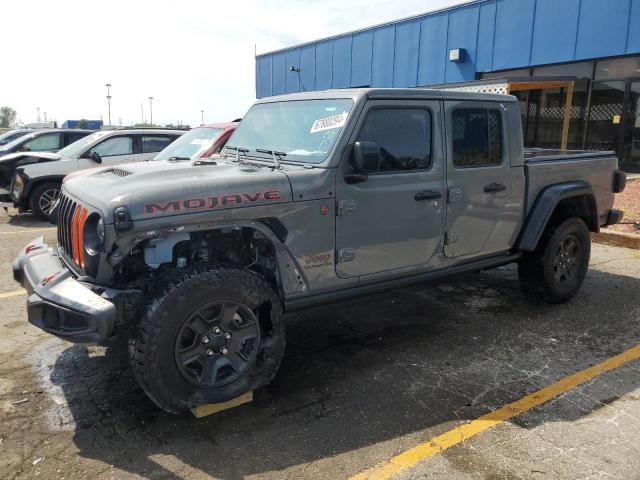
[450, 237]
[344, 206]
[345, 255]
[454, 194]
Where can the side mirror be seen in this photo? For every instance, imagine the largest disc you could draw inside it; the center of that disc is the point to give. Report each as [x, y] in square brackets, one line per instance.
[365, 157]
[95, 156]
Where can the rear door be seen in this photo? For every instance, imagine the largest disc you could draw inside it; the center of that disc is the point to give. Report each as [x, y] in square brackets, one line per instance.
[482, 212]
[394, 219]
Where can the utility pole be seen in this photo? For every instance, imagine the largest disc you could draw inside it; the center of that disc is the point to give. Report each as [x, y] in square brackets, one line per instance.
[45, 117]
[38, 113]
[141, 114]
[151, 109]
[201, 117]
[108, 85]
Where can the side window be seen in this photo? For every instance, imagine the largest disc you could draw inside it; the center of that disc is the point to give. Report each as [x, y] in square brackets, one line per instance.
[43, 143]
[404, 136]
[74, 137]
[155, 143]
[114, 146]
[477, 137]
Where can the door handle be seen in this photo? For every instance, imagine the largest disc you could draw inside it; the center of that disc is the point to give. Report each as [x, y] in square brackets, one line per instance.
[427, 195]
[494, 188]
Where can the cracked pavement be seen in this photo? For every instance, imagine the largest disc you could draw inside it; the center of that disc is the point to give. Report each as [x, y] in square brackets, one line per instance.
[361, 382]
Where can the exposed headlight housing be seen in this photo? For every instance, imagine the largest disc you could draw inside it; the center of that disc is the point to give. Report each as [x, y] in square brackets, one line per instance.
[17, 187]
[94, 234]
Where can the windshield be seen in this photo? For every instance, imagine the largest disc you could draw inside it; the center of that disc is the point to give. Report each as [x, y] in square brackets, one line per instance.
[191, 144]
[75, 148]
[304, 130]
[10, 136]
[13, 144]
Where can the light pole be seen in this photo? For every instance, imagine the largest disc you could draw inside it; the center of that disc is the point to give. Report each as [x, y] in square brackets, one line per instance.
[45, 117]
[151, 110]
[141, 114]
[108, 85]
[38, 108]
[201, 117]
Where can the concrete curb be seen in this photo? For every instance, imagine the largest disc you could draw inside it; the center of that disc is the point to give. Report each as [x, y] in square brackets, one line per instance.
[619, 239]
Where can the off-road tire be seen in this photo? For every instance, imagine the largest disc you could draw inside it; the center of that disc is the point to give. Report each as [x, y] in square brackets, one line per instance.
[538, 270]
[38, 192]
[172, 301]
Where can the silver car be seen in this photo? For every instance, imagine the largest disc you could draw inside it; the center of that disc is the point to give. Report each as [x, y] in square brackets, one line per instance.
[36, 186]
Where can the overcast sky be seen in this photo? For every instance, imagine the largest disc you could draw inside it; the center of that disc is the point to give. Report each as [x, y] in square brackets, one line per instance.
[189, 55]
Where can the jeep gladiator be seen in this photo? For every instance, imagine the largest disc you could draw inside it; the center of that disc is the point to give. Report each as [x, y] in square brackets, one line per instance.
[317, 197]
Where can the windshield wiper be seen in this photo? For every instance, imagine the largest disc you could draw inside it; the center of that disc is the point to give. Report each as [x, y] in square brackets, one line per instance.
[274, 155]
[204, 161]
[178, 159]
[238, 150]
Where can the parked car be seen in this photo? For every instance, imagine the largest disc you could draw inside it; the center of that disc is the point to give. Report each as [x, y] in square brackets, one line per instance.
[318, 197]
[11, 135]
[199, 142]
[36, 187]
[37, 145]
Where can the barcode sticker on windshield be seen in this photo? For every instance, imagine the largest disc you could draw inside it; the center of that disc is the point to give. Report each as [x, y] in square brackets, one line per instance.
[327, 123]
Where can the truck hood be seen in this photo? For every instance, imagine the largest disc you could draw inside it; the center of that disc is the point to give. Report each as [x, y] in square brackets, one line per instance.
[161, 188]
[39, 156]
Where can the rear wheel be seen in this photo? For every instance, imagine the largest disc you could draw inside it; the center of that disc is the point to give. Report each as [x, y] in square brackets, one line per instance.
[44, 198]
[207, 336]
[556, 269]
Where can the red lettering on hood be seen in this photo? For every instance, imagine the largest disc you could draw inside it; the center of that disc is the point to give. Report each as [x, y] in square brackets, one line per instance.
[195, 203]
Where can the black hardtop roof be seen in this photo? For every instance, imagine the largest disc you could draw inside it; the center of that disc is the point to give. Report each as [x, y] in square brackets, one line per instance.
[391, 94]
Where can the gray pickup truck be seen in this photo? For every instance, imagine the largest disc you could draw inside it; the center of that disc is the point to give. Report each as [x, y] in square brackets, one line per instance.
[318, 197]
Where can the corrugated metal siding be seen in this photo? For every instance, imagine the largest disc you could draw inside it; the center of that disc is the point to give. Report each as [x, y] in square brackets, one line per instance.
[496, 34]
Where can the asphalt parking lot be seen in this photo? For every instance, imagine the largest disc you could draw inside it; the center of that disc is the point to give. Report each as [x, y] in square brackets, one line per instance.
[361, 383]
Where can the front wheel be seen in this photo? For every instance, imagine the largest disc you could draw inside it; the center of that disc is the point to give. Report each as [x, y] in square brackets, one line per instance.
[207, 336]
[44, 198]
[556, 269]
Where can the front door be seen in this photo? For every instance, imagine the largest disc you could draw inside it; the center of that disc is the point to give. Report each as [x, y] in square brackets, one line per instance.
[479, 190]
[394, 218]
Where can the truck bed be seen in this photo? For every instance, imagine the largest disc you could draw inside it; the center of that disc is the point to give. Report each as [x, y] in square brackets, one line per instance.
[547, 167]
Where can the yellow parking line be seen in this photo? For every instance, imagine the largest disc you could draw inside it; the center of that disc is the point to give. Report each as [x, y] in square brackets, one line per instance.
[27, 230]
[14, 293]
[466, 431]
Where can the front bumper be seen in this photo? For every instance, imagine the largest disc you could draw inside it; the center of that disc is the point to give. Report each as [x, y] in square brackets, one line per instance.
[58, 303]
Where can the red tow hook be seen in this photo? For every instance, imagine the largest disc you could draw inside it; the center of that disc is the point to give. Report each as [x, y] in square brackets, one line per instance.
[30, 248]
[48, 278]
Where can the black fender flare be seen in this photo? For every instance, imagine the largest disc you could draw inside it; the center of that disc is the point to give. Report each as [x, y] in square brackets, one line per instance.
[545, 204]
[32, 183]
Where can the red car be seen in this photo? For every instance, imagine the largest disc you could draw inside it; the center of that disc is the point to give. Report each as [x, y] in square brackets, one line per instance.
[199, 142]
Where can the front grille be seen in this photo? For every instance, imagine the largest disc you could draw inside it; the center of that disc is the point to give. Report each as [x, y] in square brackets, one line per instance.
[71, 219]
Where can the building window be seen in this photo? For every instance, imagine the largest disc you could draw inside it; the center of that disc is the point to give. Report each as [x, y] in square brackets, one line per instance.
[579, 70]
[477, 137]
[618, 68]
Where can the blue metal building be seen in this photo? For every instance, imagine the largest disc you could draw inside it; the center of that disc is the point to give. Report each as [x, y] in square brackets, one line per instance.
[595, 44]
[90, 124]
